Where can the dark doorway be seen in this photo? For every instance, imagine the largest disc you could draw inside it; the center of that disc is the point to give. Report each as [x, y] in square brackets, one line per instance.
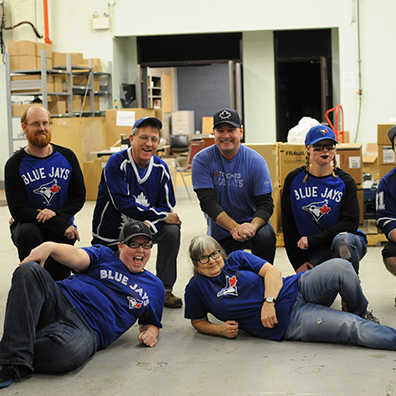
[303, 80]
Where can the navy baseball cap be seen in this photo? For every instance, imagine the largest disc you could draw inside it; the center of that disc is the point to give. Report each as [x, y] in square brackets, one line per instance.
[227, 116]
[150, 121]
[392, 133]
[134, 228]
[318, 133]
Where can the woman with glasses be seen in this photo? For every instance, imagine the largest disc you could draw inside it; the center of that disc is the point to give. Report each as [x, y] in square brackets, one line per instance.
[247, 293]
[320, 207]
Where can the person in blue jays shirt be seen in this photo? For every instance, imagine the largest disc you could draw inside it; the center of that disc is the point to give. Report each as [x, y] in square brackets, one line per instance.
[320, 207]
[53, 327]
[247, 293]
[386, 211]
[45, 188]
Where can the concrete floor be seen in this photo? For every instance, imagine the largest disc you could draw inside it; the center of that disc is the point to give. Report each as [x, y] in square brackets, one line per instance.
[185, 362]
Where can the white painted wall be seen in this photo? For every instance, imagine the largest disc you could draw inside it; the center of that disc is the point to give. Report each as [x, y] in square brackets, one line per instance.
[70, 30]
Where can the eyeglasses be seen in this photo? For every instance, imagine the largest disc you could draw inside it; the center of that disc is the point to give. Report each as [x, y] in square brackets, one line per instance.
[135, 245]
[321, 147]
[205, 259]
[45, 124]
[145, 138]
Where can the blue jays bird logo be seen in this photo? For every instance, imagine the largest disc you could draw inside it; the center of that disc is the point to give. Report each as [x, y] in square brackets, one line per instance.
[231, 287]
[48, 190]
[317, 209]
[134, 302]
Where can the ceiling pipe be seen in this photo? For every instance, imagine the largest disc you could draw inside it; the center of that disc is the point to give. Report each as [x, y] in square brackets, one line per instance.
[47, 39]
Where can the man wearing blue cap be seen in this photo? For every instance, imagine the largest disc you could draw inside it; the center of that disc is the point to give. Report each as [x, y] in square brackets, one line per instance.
[136, 184]
[320, 207]
[234, 187]
[386, 211]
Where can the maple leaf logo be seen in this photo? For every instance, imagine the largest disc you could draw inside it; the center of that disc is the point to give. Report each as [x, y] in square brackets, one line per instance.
[142, 200]
[217, 173]
[325, 209]
[233, 281]
[54, 189]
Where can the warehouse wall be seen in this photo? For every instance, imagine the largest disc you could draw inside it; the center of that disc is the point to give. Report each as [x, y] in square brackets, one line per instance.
[70, 30]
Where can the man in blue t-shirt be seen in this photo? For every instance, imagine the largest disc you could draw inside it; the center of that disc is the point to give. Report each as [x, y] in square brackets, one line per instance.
[54, 327]
[234, 187]
[386, 211]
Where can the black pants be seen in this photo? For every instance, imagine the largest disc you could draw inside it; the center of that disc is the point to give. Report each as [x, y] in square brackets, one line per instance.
[27, 236]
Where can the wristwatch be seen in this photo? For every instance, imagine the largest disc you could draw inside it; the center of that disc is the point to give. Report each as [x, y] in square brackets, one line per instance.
[270, 299]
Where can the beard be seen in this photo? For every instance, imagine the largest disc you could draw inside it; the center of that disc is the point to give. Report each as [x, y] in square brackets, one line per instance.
[39, 141]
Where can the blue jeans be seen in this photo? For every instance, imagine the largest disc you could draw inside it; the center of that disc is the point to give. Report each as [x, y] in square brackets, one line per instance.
[43, 331]
[263, 244]
[313, 320]
[355, 249]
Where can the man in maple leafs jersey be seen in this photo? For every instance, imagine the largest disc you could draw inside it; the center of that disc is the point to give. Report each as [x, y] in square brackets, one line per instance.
[320, 208]
[136, 184]
[45, 188]
[386, 212]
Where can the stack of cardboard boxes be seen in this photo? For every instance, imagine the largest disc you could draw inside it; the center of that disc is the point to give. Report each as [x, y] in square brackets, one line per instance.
[386, 155]
[26, 55]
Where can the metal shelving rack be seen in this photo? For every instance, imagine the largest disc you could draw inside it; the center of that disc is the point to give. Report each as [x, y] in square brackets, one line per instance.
[39, 88]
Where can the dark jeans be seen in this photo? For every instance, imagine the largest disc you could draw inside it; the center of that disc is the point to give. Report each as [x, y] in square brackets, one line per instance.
[43, 331]
[27, 236]
[263, 244]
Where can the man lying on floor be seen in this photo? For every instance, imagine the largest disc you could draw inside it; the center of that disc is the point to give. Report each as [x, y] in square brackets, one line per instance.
[53, 327]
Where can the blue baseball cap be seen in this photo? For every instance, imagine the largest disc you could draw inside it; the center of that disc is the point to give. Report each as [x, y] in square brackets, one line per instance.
[227, 116]
[318, 133]
[149, 120]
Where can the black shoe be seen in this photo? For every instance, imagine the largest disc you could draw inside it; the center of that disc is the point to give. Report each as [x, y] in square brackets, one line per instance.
[7, 375]
[369, 316]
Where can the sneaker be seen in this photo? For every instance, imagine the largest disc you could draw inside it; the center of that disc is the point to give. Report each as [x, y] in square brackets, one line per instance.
[171, 301]
[7, 375]
[369, 316]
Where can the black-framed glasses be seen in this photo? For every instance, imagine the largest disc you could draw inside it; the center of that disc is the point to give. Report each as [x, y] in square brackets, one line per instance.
[135, 245]
[321, 147]
[145, 138]
[45, 124]
[205, 259]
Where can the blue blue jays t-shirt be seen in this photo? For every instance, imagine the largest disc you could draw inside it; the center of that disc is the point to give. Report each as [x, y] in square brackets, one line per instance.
[238, 294]
[111, 298]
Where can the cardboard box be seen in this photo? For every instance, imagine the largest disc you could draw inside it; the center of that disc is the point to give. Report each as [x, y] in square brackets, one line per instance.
[76, 58]
[276, 218]
[269, 151]
[80, 79]
[384, 169]
[96, 64]
[120, 121]
[18, 109]
[58, 82]
[58, 59]
[371, 161]
[290, 157]
[207, 125]
[382, 133]
[57, 106]
[24, 62]
[87, 103]
[23, 47]
[360, 194]
[349, 159]
[386, 155]
[46, 47]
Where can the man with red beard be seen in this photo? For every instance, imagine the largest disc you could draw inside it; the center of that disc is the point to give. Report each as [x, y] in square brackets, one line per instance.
[45, 188]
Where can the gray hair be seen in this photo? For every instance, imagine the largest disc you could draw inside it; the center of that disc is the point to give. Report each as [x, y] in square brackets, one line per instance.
[201, 244]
